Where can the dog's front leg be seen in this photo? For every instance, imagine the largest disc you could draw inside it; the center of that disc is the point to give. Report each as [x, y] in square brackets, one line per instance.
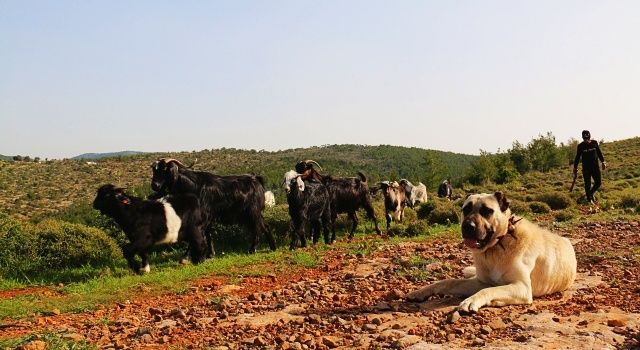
[457, 287]
[510, 294]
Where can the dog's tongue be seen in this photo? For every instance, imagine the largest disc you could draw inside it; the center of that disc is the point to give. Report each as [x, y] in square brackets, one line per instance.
[471, 243]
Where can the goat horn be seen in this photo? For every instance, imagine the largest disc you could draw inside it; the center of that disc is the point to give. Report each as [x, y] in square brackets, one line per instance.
[314, 162]
[169, 160]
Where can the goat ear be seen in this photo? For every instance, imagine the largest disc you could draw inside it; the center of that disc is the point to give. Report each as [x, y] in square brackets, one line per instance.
[502, 200]
[300, 184]
[172, 168]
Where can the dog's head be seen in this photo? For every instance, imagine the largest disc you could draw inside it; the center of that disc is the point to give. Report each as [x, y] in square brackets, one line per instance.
[485, 219]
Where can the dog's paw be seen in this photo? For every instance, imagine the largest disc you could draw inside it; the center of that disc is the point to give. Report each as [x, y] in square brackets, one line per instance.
[418, 295]
[470, 304]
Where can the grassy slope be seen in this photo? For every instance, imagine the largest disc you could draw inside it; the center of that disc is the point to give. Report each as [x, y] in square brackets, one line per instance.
[33, 189]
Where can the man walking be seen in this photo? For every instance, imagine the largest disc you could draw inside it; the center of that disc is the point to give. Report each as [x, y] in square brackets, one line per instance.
[590, 152]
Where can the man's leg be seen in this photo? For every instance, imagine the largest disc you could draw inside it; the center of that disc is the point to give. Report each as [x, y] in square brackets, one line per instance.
[597, 180]
[587, 184]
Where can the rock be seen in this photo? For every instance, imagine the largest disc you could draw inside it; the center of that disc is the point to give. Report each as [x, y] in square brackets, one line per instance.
[34, 345]
[315, 319]
[369, 327]
[454, 317]
[255, 297]
[55, 312]
[331, 342]
[395, 294]
[73, 337]
[616, 323]
[178, 313]
[155, 311]
[497, 324]
[146, 338]
[485, 330]
[142, 331]
[260, 341]
[166, 324]
[382, 306]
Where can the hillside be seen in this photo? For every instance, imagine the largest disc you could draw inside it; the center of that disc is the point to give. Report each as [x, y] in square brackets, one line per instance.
[3, 157]
[106, 155]
[37, 189]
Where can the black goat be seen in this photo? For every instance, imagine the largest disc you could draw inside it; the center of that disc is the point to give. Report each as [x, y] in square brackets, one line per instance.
[236, 199]
[307, 203]
[347, 194]
[149, 222]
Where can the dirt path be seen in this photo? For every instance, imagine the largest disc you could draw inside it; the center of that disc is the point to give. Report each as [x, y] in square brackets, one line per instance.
[353, 301]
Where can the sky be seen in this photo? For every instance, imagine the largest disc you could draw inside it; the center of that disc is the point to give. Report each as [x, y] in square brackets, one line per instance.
[460, 76]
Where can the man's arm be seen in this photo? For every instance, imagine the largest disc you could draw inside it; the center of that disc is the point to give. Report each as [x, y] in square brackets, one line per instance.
[577, 159]
[600, 156]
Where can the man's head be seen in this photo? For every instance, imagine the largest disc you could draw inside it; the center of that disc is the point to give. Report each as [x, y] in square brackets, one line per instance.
[586, 135]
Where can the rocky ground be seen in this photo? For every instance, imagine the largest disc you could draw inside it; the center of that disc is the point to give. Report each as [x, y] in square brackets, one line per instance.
[356, 300]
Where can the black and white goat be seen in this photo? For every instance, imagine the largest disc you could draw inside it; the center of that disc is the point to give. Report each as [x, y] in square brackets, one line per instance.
[347, 194]
[445, 190]
[308, 203]
[149, 222]
[235, 199]
[395, 201]
[415, 194]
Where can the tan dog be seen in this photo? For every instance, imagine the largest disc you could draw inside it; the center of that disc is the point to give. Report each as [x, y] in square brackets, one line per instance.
[514, 259]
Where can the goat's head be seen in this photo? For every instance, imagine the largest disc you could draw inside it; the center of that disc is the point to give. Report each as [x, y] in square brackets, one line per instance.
[165, 173]
[290, 177]
[110, 197]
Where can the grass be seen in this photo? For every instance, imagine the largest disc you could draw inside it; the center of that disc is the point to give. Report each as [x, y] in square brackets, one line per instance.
[170, 277]
[53, 341]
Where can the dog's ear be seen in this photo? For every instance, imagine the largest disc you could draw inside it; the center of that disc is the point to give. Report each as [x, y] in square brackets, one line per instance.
[502, 200]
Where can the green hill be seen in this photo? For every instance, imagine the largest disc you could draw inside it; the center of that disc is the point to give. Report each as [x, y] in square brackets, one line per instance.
[37, 189]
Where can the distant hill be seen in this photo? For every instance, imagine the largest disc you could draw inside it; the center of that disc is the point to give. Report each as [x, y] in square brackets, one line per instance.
[3, 157]
[106, 155]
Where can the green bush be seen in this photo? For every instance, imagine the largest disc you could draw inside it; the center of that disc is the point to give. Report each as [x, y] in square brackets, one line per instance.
[445, 214]
[539, 207]
[27, 248]
[418, 227]
[83, 213]
[629, 201]
[565, 215]
[519, 207]
[555, 200]
[424, 209]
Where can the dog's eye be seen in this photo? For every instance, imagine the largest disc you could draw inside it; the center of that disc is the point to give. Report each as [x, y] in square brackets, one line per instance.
[486, 211]
[466, 210]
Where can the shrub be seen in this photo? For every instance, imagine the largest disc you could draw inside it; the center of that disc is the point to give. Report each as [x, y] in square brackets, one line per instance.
[555, 200]
[445, 213]
[565, 215]
[424, 209]
[629, 201]
[519, 207]
[539, 207]
[416, 228]
[52, 244]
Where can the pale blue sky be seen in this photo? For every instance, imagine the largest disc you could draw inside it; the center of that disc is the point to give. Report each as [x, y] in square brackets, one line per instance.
[100, 76]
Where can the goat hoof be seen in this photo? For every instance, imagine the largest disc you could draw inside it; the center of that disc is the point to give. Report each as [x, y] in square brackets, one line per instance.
[184, 261]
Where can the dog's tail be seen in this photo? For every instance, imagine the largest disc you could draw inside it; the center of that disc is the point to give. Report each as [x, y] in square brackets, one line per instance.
[469, 272]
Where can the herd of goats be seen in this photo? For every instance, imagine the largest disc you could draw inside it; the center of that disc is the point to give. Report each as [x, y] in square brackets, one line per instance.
[185, 202]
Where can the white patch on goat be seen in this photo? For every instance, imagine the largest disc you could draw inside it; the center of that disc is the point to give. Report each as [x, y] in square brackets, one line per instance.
[173, 223]
[146, 269]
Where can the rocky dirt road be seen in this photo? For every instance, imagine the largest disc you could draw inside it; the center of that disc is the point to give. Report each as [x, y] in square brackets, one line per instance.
[356, 301]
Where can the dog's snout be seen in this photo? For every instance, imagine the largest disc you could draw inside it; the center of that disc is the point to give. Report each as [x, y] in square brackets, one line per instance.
[468, 228]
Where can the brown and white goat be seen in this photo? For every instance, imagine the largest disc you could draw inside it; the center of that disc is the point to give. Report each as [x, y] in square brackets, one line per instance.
[395, 200]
